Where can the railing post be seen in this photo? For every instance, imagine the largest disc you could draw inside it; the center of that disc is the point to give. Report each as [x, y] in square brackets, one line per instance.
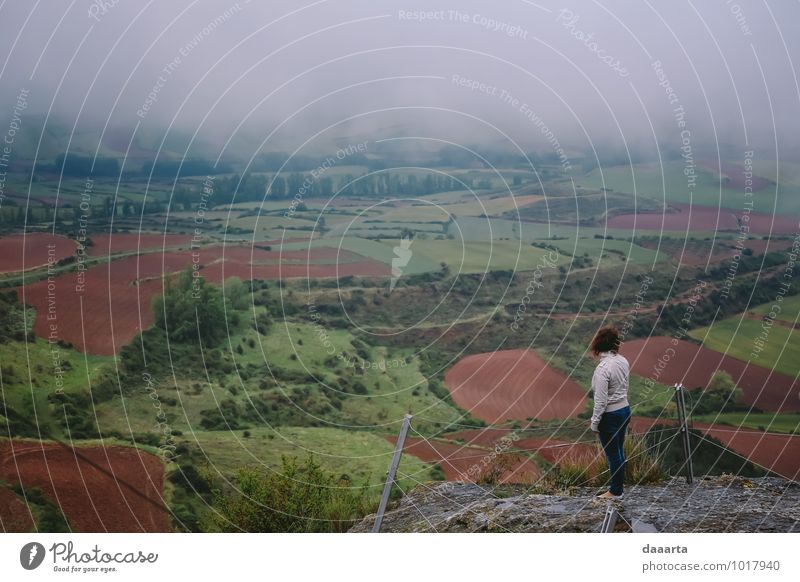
[609, 520]
[387, 488]
[684, 428]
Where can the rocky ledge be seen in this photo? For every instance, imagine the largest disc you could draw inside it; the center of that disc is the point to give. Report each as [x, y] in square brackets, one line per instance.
[711, 504]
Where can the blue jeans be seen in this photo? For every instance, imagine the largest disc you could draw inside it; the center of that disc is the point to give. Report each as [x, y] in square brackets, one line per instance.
[612, 436]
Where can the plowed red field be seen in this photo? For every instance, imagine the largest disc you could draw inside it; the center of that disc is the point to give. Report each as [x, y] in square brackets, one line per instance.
[457, 460]
[125, 242]
[18, 252]
[704, 219]
[555, 450]
[694, 365]
[552, 450]
[108, 312]
[478, 436]
[777, 452]
[513, 384]
[99, 489]
[115, 301]
[699, 253]
[14, 516]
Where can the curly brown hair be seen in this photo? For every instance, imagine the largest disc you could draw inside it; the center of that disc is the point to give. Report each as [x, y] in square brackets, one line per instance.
[606, 340]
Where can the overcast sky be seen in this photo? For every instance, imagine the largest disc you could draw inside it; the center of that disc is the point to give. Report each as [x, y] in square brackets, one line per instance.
[279, 73]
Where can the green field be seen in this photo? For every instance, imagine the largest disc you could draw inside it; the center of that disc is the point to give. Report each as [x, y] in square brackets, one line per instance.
[497, 204]
[736, 337]
[789, 309]
[267, 227]
[454, 197]
[475, 229]
[363, 456]
[765, 421]
[424, 214]
[784, 172]
[612, 251]
[475, 257]
[668, 182]
[308, 375]
[29, 378]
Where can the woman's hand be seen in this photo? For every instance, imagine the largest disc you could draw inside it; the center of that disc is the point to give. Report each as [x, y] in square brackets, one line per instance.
[594, 427]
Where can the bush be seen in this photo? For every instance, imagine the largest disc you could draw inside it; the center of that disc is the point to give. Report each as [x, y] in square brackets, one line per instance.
[297, 498]
[591, 469]
[262, 323]
[74, 413]
[49, 518]
[437, 473]
[721, 395]
[225, 417]
[709, 456]
[191, 308]
[500, 464]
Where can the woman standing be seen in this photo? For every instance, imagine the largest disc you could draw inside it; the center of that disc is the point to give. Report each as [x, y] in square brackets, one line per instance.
[611, 410]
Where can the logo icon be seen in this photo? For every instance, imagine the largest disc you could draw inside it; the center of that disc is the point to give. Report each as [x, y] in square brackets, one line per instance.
[402, 255]
[31, 555]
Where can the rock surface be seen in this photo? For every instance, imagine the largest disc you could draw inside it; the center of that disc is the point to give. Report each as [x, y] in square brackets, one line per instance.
[712, 504]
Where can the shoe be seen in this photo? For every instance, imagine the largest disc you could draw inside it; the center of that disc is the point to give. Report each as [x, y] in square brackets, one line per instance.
[609, 495]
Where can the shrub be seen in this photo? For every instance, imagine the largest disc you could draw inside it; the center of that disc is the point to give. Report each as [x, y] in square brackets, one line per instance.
[721, 395]
[74, 414]
[191, 308]
[296, 498]
[499, 465]
[437, 473]
[49, 518]
[262, 323]
[590, 469]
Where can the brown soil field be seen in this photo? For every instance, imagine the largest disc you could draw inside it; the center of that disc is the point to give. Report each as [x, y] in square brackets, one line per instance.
[779, 453]
[776, 452]
[110, 309]
[641, 424]
[694, 365]
[23, 252]
[126, 242]
[457, 460]
[696, 253]
[117, 297]
[253, 255]
[555, 450]
[550, 449]
[484, 437]
[761, 246]
[14, 516]
[513, 384]
[217, 271]
[99, 489]
[703, 218]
